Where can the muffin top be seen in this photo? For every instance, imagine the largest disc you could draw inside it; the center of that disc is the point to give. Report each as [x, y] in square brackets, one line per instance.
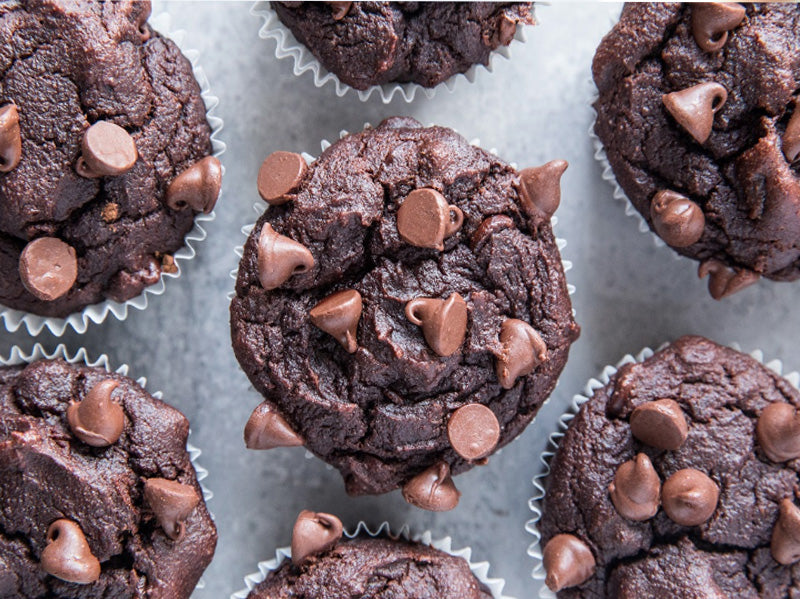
[678, 478]
[370, 43]
[104, 154]
[402, 305]
[697, 114]
[98, 494]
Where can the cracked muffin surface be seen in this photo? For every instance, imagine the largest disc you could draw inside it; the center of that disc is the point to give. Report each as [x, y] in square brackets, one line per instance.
[737, 547]
[66, 67]
[701, 104]
[48, 473]
[371, 43]
[380, 405]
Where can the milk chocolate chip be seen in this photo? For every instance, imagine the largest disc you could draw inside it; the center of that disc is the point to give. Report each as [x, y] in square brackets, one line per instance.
[96, 419]
[473, 431]
[443, 322]
[266, 429]
[791, 137]
[314, 533]
[197, 187]
[339, 10]
[694, 107]
[677, 219]
[48, 268]
[660, 424]
[280, 174]
[785, 546]
[67, 555]
[523, 350]
[107, 150]
[711, 22]
[425, 220]
[280, 258]
[10, 138]
[172, 503]
[338, 315]
[778, 432]
[432, 489]
[568, 562]
[540, 188]
[725, 281]
[689, 497]
[636, 489]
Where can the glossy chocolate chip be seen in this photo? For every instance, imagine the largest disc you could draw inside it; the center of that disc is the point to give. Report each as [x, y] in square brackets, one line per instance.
[280, 258]
[339, 10]
[48, 268]
[314, 533]
[636, 489]
[694, 107]
[488, 227]
[107, 150]
[540, 189]
[96, 420]
[660, 424]
[67, 555]
[197, 187]
[724, 281]
[785, 545]
[523, 350]
[267, 429]
[711, 22]
[432, 489]
[677, 219]
[778, 432]
[568, 562]
[443, 322]
[473, 431]
[425, 220]
[791, 137]
[172, 503]
[689, 497]
[10, 138]
[338, 315]
[280, 174]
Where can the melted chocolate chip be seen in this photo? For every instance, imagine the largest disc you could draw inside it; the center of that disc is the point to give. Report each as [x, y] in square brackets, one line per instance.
[10, 138]
[694, 107]
[96, 419]
[48, 268]
[660, 424]
[473, 431]
[338, 315]
[677, 219]
[443, 322]
[172, 503]
[636, 489]
[711, 22]
[791, 137]
[197, 187]
[107, 150]
[339, 10]
[689, 497]
[314, 533]
[432, 489]
[540, 189]
[267, 429]
[280, 174]
[523, 350]
[280, 258]
[725, 281]
[785, 545]
[778, 432]
[568, 562]
[67, 555]
[425, 220]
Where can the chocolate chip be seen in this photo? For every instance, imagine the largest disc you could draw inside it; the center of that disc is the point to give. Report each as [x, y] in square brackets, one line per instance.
[523, 350]
[791, 137]
[711, 22]
[507, 29]
[567, 561]
[172, 503]
[540, 189]
[636, 489]
[677, 219]
[778, 432]
[96, 419]
[197, 187]
[689, 497]
[694, 107]
[107, 150]
[67, 555]
[725, 281]
[785, 546]
[338, 315]
[280, 174]
[314, 533]
[432, 489]
[473, 431]
[10, 138]
[48, 268]
[660, 424]
[488, 227]
[443, 322]
[267, 429]
[425, 220]
[280, 258]
[339, 10]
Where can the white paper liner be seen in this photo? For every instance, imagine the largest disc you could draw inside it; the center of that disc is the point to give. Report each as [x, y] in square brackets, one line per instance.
[536, 503]
[479, 569]
[287, 46]
[19, 356]
[97, 313]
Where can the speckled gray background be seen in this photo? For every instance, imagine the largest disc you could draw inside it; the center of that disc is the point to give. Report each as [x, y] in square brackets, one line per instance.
[533, 108]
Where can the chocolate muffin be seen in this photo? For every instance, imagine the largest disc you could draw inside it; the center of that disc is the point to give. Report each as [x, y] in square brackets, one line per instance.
[679, 478]
[98, 494]
[104, 154]
[371, 43]
[401, 306]
[326, 566]
[697, 112]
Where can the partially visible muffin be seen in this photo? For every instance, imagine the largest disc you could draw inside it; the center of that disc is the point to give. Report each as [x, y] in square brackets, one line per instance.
[99, 497]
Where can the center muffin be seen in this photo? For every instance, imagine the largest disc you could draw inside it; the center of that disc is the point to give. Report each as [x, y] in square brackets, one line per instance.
[401, 306]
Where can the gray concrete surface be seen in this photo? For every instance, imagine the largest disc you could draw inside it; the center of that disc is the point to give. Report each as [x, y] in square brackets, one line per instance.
[534, 108]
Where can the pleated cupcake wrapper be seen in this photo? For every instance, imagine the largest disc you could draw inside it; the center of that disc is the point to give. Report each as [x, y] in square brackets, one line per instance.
[97, 313]
[479, 569]
[287, 46]
[536, 503]
[18, 356]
